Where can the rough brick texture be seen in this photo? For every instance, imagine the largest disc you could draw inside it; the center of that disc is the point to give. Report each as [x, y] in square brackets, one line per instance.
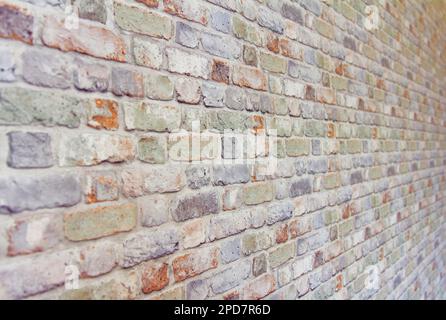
[223, 149]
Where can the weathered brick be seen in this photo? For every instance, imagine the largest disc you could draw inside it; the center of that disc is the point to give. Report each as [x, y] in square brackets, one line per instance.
[101, 186]
[198, 176]
[230, 277]
[254, 242]
[196, 205]
[272, 63]
[99, 222]
[46, 70]
[152, 149]
[259, 288]
[230, 250]
[230, 174]
[193, 11]
[34, 234]
[213, 95]
[279, 211]
[281, 254]
[136, 19]
[188, 90]
[219, 46]
[186, 35]
[97, 259]
[93, 10]
[194, 233]
[292, 12]
[258, 193]
[127, 83]
[91, 76]
[221, 21]
[25, 106]
[7, 66]
[195, 263]
[38, 192]
[152, 117]
[249, 77]
[154, 277]
[197, 290]
[103, 114]
[187, 63]
[91, 149]
[296, 147]
[259, 265]
[149, 244]
[84, 39]
[16, 23]
[29, 150]
[268, 19]
[154, 210]
[245, 31]
[147, 53]
[220, 71]
[300, 187]
[222, 226]
[159, 87]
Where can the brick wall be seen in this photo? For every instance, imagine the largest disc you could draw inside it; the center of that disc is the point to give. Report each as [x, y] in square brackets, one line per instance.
[101, 179]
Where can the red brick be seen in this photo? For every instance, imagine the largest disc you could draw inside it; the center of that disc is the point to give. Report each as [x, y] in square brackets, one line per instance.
[104, 115]
[16, 23]
[248, 77]
[195, 263]
[150, 3]
[220, 71]
[155, 276]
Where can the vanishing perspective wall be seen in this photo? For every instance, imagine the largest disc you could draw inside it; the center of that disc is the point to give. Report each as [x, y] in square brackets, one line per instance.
[222, 149]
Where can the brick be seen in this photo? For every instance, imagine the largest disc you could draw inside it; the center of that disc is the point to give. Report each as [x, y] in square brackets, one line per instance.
[34, 234]
[188, 90]
[192, 11]
[292, 12]
[101, 186]
[254, 242]
[296, 147]
[230, 277]
[152, 149]
[331, 181]
[91, 77]
[150, 3]
[32, 276]
[164, 179]
[195, 206]
[138, 20]
[317, 166]
[194, 233]
[323, 28]
[29, 150]
[230, 250]
[159, 87]
[300, 187]
[46, 70]
[231, 198]
[313, 6]
[25, 106]
[326, 95]
[187, 63]
[219, 46]
[213, 95]
[249, 78]
[147, 53]
[127, 83]
[7, 66]
[266, 18]
[220, 71]
[94, 10]
[272, 63]
[99, 222]
[16, 23]
[245, 31]
[293, 88]
[97, 259]
[230, 174]
[259, 265]
[84, 40]
[258, 193]
[186, 35]
[221, 21]
[92, 149]
[152, 117]
[154, 277]
[281, 254]
[198, 176]
[250, 56]
[154, 210]
[103, 114]
[147, 245]
[228, 224]
[195, 263]
[259, 288]
[197, 290]
[38, 192]
[305, 73]
[279, 211]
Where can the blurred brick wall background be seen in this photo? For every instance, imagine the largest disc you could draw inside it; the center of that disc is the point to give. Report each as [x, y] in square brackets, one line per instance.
[97, 95]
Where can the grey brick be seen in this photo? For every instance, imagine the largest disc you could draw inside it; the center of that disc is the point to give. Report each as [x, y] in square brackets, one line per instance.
[221, 21]
[235, 98]
[279, 211]
[213, 95]
[230, 174]
[268, 19]
[195, 205]
[46, 69]
[198, 176]
[93, 10]
[317, 166]
[219, 46]
[292, 12]
[30, 150]
[230, 250]
[300, 187]
[230, 277]
[38, 192]
[7, 66]
[186, 35]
